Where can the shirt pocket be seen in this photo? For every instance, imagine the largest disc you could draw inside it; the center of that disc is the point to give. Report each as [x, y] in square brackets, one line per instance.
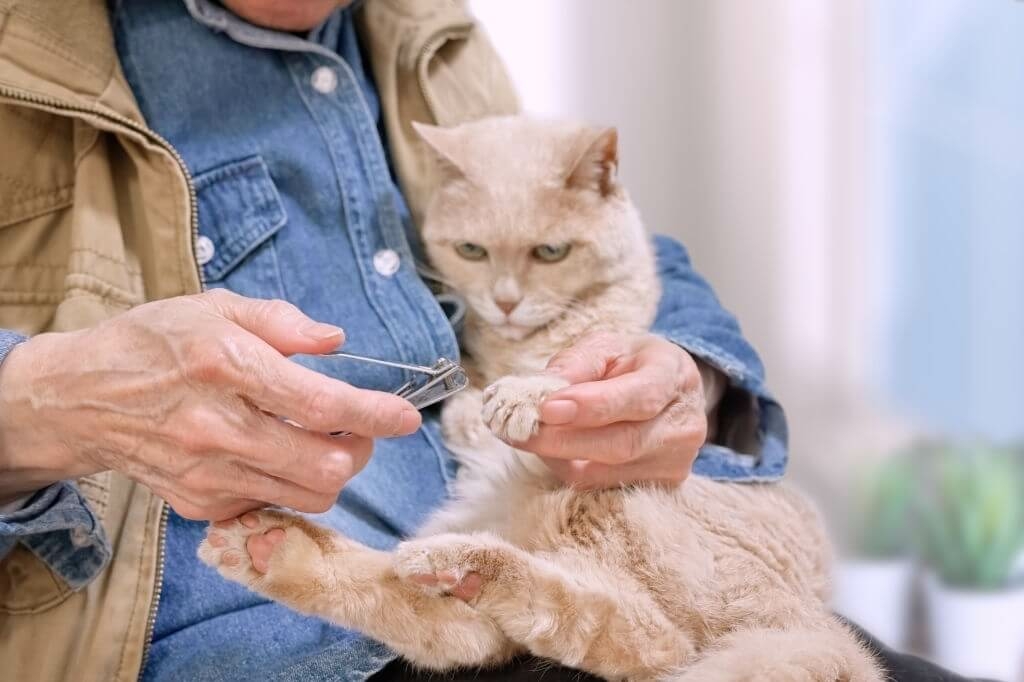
[240, 214]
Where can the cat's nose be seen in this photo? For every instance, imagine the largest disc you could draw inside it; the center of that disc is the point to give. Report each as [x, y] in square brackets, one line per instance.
[506, 306]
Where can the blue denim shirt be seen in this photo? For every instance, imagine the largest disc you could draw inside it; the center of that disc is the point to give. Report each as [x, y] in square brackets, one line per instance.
[296, 201]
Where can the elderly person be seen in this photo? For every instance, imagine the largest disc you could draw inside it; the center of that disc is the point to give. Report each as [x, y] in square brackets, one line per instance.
[191, 192]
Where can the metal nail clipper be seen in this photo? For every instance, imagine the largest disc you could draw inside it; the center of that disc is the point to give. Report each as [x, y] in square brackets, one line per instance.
[438, 382]
[435, 384]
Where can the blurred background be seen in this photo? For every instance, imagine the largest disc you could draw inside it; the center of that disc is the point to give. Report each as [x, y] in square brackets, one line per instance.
[850, 177]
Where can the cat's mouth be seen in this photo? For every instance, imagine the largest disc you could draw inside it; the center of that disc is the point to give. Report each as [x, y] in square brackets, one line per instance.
[513, 331]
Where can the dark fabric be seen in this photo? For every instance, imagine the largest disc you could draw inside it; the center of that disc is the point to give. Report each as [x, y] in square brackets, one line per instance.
[519, 669]
[901, 668]
[904, 667]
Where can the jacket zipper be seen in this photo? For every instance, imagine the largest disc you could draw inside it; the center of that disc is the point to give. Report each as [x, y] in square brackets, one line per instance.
[158, 584]
[428, 51]
[8, 93]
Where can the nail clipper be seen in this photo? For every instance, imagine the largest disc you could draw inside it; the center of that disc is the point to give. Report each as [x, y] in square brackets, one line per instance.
[445, 378]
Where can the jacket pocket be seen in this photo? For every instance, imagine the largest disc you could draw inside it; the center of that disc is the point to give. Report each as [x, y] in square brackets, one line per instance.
[37, 175]
[27, 585]
[240, 212]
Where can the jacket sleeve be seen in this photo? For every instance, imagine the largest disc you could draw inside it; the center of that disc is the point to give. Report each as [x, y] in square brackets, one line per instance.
[56, 523]
[751, 438]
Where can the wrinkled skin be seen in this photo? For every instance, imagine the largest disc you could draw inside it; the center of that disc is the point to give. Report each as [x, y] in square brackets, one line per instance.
[634, 411]
[180, 395]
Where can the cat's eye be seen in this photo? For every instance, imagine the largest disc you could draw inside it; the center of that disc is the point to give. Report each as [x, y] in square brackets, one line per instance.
[551, 253]
[471, 251]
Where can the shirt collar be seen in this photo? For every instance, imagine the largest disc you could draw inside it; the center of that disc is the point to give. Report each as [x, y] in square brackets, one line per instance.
[216, 17]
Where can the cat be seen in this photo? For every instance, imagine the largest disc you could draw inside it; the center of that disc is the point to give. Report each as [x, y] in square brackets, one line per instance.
[704, 581]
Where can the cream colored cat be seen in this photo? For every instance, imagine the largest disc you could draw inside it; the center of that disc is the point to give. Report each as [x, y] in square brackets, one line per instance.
[707, 581]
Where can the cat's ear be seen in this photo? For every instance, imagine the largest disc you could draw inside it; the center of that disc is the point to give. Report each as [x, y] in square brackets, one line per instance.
[596, 168]
[445, 144]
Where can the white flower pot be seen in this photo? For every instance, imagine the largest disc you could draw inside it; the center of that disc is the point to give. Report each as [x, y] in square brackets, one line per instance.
[977, 634]
[875, 594]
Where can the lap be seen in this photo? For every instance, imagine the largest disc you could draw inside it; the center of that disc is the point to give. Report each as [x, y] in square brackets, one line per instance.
[901, 668]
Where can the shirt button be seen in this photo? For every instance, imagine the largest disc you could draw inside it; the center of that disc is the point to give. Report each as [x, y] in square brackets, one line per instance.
[324, 80]
[204, 250]
[80, 537]
[386, 262]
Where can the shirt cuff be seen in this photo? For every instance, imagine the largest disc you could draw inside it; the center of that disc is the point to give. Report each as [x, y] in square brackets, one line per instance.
[8, 340]
[750, 439]
[60, 528]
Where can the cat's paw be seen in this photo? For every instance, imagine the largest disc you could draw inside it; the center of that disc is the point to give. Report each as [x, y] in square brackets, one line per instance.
[453, 564]
[249, 548]
[511, 405]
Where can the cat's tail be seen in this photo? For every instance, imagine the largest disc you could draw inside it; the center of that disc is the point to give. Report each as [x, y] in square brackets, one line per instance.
[828, 654]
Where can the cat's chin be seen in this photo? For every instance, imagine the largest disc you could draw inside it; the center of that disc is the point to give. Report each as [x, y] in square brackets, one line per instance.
[512, 332]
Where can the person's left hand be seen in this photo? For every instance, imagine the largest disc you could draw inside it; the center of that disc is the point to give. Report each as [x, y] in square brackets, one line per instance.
[635, 411]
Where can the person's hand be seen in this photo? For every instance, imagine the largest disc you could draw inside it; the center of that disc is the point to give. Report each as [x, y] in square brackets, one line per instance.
[634, 411]
[180, 395]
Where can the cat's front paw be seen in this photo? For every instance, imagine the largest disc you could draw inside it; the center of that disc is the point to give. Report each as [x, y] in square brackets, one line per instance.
[249, 548]
[454, 564]
[511, 405]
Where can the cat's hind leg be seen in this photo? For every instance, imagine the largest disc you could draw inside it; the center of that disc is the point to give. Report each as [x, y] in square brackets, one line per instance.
[322, 573]
[826, 654]
[583, 620]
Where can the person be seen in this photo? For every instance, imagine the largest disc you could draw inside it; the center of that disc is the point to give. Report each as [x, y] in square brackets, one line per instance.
[195, 199]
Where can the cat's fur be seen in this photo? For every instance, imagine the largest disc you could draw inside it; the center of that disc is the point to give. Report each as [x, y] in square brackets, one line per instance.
[708, 581]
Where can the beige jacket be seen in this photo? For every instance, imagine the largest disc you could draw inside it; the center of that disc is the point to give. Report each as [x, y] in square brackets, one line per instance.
[97, 214]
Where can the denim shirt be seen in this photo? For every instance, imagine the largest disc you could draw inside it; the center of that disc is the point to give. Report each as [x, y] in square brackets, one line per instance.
[296, 201]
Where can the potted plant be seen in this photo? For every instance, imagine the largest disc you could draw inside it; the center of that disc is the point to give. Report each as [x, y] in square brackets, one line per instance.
[873, 585]
[972, 525]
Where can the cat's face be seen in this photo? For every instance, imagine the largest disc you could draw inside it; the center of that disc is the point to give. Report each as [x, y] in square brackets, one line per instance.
[529, 220]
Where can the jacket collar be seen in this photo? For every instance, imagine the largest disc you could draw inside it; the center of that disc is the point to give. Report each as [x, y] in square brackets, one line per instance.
[62, 51]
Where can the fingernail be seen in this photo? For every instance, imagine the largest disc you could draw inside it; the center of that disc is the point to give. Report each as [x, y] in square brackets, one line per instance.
[410, 421]
[318, 331]
[249, 520]
[558, 411]
[337, 466]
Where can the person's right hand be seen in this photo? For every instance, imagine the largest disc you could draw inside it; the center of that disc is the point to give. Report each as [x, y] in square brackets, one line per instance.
[180, 396]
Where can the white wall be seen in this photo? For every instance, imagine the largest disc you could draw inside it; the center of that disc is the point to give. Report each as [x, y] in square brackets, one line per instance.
[743, 128]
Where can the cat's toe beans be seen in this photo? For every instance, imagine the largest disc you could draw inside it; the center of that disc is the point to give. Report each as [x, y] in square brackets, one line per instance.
[230, 559]
[237, 547]
[435, 567]
[468, 588]
[451, 564]
[261, 546]
[412, 562]
[225, 551]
